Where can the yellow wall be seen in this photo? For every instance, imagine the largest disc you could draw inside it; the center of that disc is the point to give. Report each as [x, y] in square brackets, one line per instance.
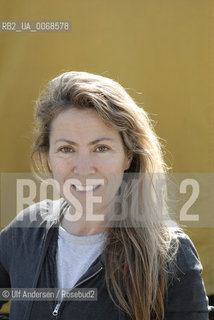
[161, 48]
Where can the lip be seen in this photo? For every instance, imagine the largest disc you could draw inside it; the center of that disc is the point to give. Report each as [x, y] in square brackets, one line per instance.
[83, 189]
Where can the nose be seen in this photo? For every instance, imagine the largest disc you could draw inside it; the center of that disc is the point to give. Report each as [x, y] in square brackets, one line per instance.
[84, 165]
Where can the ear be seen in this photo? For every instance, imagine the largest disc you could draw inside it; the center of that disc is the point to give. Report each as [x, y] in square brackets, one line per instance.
[128, 161]
[49, 162]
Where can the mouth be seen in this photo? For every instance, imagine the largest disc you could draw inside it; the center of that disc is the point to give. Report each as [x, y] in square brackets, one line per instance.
[85, 189]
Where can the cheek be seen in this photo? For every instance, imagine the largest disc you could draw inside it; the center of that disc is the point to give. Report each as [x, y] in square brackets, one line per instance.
[60, 167]
[112, 165]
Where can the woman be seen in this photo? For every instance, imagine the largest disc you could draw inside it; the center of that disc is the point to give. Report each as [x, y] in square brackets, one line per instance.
[108, 230]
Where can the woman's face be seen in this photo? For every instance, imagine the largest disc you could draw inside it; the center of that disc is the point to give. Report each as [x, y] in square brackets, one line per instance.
[87, 159]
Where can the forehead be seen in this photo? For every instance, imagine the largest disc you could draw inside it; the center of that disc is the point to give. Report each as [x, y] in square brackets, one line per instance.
[85, 121]
[75, 113]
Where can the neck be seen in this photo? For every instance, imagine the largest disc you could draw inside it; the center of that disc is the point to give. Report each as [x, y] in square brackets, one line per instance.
[82, 227]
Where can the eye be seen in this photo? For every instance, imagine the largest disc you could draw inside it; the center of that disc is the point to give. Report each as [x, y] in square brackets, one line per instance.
[101, 149]
[66, 149]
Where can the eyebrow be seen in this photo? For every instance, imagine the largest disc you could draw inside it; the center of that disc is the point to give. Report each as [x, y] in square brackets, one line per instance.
[76, 144]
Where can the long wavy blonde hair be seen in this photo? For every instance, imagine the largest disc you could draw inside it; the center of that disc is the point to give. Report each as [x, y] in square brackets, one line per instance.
[136, 255]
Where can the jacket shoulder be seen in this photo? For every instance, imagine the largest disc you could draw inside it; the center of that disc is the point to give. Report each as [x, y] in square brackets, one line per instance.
[29, 228]
[187, 258]
[186, 298]
[38, 214]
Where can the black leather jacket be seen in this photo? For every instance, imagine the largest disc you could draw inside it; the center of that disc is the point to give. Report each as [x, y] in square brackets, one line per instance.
[28, 260]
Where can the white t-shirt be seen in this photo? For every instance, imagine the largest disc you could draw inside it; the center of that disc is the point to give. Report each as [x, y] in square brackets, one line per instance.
[75, 254]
